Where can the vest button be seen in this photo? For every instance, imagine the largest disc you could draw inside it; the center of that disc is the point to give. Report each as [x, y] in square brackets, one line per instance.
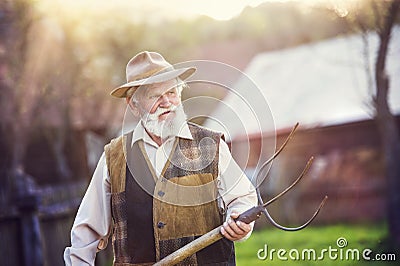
[161, 193]
[160, 225]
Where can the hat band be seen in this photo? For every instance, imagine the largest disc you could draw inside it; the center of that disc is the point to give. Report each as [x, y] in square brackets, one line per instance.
[150, 73]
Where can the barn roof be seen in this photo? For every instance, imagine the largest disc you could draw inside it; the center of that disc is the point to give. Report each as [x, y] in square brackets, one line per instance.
[317, 84]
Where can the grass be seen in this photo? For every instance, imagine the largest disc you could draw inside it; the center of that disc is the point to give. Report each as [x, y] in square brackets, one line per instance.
[358, 237]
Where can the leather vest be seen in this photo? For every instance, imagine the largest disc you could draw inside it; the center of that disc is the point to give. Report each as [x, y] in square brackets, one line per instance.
[154, 216]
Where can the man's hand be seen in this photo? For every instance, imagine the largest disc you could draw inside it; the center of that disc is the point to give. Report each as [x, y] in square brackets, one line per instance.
[235, 230]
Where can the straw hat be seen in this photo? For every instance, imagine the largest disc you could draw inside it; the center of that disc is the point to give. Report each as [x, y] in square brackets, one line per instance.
[148, 68]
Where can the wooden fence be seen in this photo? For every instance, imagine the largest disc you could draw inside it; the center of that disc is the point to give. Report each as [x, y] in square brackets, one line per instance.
[37, 230]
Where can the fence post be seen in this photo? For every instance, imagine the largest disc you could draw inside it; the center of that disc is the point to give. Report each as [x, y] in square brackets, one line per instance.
[27, 202]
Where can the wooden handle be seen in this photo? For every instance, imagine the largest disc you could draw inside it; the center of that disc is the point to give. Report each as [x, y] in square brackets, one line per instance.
[207, 239]
[191, 248]
[250, 215]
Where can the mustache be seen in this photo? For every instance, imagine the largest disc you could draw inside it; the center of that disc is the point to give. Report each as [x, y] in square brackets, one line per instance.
[159, 111]
[165, 128]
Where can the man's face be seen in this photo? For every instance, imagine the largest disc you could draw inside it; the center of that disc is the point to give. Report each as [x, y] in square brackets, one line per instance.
[157, 96]
[160, 109]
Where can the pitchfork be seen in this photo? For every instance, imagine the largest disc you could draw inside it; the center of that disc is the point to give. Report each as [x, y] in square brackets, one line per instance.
[247, 216]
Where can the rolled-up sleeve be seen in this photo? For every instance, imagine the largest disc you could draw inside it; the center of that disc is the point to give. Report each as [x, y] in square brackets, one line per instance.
[92, 224]
[235, 189]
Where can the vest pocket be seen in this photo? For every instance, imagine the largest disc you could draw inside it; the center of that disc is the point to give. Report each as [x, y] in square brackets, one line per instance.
[188, 190]
[186, 206]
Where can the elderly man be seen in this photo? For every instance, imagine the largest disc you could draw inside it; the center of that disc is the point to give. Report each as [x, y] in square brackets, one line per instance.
[162, 185]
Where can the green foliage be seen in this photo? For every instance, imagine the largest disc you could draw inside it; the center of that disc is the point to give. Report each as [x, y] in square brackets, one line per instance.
[358, 237]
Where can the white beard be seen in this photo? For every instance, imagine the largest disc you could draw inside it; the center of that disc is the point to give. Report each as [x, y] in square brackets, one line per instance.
[168, 127]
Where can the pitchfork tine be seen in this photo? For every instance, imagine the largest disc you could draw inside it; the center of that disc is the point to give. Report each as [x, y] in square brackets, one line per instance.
[272, 221]
[269, 217]
[293, 184]
[278, 151]
[306, 168]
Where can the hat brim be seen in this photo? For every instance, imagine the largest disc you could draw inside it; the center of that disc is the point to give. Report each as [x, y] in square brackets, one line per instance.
[182, 73]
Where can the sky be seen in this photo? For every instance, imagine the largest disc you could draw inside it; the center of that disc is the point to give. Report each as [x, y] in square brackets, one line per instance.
[145, 10]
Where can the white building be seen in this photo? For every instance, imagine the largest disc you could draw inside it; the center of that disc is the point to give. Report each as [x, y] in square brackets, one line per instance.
[323, 83]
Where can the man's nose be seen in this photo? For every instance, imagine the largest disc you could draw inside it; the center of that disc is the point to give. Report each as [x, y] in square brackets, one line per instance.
[164, 100]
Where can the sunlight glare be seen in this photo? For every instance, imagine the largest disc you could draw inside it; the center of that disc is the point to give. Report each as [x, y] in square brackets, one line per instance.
[153, 12]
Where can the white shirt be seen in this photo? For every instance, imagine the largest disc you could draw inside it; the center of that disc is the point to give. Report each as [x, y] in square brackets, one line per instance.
[92, 225]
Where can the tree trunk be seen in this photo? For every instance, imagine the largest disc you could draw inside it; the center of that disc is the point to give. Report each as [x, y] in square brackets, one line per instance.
[387, 126]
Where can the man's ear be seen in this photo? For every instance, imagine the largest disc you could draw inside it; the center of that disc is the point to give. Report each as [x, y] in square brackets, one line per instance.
[133, 107]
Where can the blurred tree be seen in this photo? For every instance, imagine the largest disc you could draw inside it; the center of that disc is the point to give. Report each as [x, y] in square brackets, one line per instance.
[40, 72]
[381, 16]
[18, 106]
[387, 125]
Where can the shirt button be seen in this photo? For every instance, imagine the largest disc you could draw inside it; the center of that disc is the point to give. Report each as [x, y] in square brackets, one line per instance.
[161, 193]
[160, 225]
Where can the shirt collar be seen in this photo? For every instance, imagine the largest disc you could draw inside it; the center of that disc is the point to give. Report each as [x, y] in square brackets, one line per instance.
[140, 133]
